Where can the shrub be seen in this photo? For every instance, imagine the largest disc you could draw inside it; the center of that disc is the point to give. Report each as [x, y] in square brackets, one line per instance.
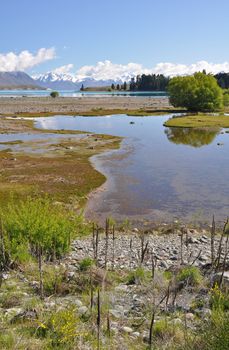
[63, 330]
[138, 276]
[54, 94]
[85, 264]
[190, 275]
[165, 329]
[213, 335]
[218, 299]
[34, 223]
[199, 92]
[226, 97]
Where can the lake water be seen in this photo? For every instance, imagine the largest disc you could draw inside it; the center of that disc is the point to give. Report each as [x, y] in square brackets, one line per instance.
[73, 93]
[159, 173]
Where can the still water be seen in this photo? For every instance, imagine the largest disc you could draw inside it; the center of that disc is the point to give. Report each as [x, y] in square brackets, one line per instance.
[159, 173]
[75, 93]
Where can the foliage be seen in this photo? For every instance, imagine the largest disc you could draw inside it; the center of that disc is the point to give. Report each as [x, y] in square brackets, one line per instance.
[62, 327]
[214, 335]
[85, 264]
[199, 92]
[137, 276]
[226, 97]
[218, 299]
[35, 223]
[199, 121]
[149, 83]
[223, 80]
[190, 275]
[54, 94]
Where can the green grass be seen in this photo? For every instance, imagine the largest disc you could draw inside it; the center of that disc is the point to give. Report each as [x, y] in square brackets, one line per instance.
[199, 121]
[190, 275]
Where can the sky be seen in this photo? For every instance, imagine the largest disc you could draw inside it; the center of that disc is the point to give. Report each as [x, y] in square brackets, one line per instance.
[99, 38]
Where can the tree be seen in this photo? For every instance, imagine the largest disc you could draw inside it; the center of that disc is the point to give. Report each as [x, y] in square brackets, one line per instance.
[199, 92]
[54, 94]
[112, 86]
[124, 85]
[132, 84]
[82, 88]
[118, 87]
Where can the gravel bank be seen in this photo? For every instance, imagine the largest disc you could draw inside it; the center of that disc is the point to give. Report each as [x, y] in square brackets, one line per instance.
[77, 104]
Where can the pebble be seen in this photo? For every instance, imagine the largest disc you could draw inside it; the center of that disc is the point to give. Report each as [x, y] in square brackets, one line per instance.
[127, 330]
[83, 310]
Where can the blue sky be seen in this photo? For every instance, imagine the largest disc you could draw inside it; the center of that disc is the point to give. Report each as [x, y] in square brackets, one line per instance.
[146, 32]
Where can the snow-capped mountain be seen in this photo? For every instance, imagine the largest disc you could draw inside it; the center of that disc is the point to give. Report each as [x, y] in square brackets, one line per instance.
[67, 81]
[56, 81]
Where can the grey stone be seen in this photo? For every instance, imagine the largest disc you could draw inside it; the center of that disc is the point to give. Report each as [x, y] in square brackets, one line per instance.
[78, 303]
[83, 310]
[127, 330]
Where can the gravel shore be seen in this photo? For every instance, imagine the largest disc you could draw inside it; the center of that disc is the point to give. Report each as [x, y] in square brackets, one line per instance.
[77, 104]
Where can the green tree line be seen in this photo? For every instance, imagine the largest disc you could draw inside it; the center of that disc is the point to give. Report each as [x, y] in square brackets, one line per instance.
[159, 82]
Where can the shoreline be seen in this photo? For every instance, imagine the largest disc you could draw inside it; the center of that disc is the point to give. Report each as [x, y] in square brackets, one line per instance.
[76, 105]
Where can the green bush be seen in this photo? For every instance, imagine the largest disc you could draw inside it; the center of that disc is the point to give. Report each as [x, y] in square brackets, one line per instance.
[137, 276]
[35, 223]
[85, 264]
[226, 97]
[199, 92]
[218, 299]
[54, 94]
[190, 275]
[213, 335]
[62, 329]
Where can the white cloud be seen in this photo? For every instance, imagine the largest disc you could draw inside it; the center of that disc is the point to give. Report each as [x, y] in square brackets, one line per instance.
[107, 70]
[24, 60]
[63, 69]
[172, 69]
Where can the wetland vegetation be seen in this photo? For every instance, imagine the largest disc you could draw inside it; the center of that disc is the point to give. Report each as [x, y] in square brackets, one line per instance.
[67, 283]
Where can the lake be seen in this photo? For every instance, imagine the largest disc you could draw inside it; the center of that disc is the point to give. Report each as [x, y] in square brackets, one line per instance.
[158, 173]
[73, 93]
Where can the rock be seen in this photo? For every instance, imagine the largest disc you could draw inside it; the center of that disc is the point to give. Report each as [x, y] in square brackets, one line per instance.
[127, 330]
[121, 288]
[70, 274]
[136, 334]
[174, 258]
[164, 264]
[220, 144]
[193, 240]
[82, 310]
[13, 312]
[24, 315]
[190, 316]
[203, 258]
[116, 313]
[204, 238]
[217, 278]
[78, 303]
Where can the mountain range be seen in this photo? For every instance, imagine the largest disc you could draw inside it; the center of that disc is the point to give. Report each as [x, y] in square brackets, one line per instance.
[51, 80]
[63, 81]
[15, 80]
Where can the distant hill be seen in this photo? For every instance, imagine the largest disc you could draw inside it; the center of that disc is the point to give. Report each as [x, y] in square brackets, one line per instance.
[17, 80]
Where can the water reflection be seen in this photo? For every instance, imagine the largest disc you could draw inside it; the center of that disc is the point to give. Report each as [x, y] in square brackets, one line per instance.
[192, 137]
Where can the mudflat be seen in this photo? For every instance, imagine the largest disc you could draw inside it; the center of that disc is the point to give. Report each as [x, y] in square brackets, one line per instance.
[71, 105]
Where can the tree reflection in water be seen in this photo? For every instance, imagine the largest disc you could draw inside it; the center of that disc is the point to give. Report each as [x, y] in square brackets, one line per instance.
[192, 137]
